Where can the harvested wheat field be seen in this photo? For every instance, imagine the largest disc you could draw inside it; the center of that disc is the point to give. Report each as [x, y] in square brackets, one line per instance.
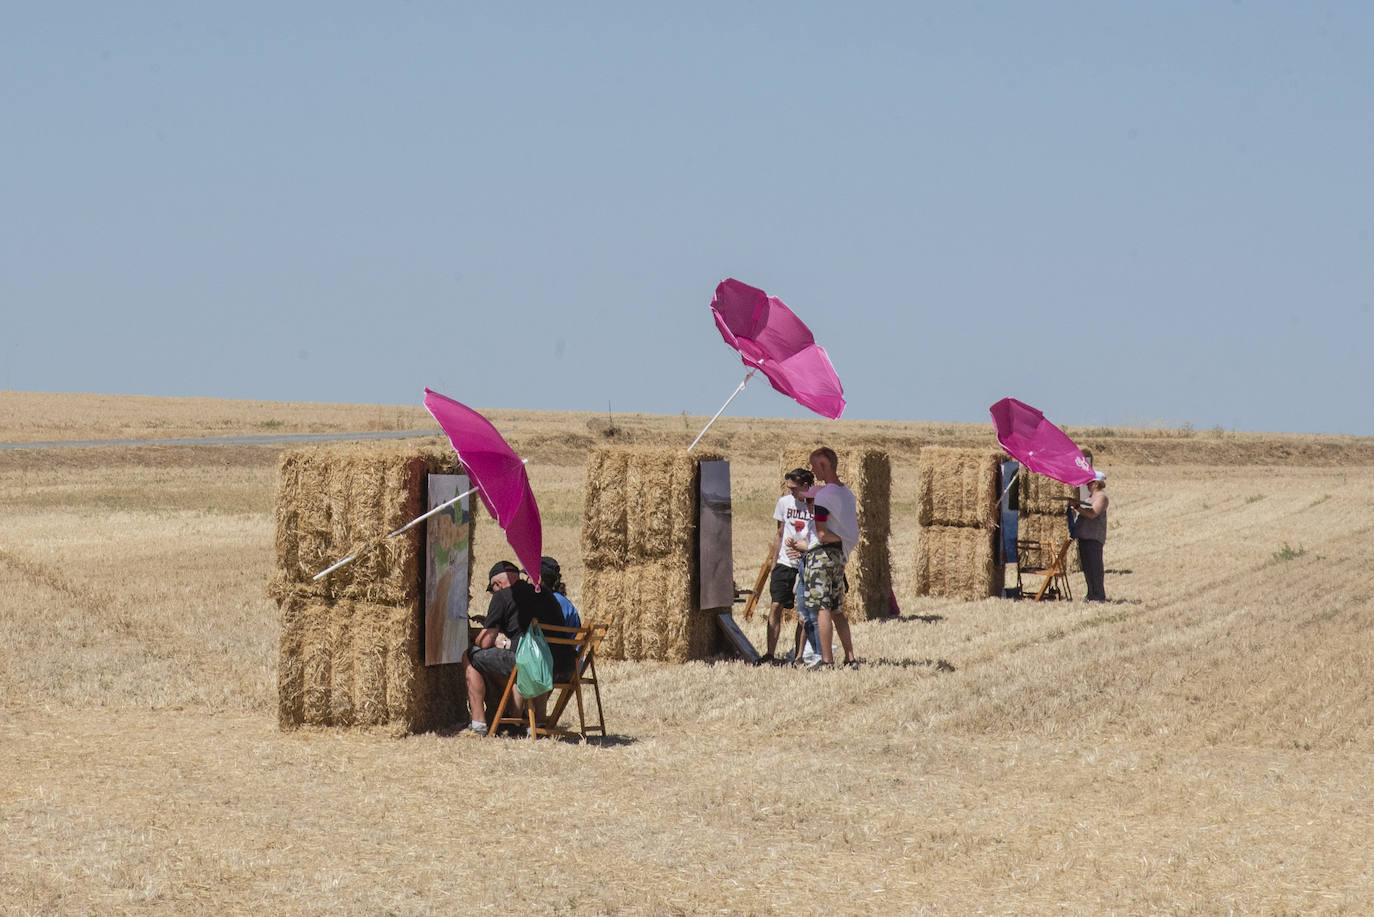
[1201, 744]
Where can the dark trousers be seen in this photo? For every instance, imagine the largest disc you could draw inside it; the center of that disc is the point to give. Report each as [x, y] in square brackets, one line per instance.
[1090, 556]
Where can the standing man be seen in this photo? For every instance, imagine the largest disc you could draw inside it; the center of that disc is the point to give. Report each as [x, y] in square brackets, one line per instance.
[491, 658]
[1092, 535]
[795, 529]
[837, 532]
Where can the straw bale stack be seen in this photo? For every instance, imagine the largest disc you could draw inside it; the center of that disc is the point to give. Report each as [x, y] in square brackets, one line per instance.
[350, 646]
[868, 473]
[958, 487]
[957, 561]
[639, 549]
[334, 500]
[959, 517]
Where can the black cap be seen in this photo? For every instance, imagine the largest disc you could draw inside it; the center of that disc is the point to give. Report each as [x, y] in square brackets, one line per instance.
[500, 567]
[548, 569]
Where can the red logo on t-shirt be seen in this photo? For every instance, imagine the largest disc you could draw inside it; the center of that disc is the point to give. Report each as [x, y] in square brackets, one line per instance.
[798, 524]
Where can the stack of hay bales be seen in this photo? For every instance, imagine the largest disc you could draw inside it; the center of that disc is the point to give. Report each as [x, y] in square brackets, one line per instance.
[639, 550]
[1041, 504]
[868, 473]
[958, 514]
[350, 650]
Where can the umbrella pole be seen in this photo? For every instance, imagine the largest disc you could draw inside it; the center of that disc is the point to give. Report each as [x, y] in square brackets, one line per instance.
[722, 409]
[352, 557]
[1010, 481]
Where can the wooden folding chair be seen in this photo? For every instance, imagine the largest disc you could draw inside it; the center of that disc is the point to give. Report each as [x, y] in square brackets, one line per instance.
[586, 638]
[583, 673]
[1041, 558]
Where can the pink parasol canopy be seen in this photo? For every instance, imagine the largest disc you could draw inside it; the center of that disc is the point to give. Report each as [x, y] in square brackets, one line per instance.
[770, 337]
[1038, 444]
[497, 473]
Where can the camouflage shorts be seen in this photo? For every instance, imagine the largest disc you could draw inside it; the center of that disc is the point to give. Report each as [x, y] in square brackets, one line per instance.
[823, 577]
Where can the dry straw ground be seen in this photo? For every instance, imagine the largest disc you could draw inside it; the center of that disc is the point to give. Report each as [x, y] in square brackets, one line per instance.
[1202, 744]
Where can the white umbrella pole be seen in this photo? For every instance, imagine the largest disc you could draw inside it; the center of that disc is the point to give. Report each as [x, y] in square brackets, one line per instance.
[722, 409]
[418, 519]
[1010, 481]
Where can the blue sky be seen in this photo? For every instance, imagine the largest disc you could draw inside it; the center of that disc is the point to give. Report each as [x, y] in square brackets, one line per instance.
[1143, 214]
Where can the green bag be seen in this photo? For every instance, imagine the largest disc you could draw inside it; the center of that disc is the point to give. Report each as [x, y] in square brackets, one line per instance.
[533, 663]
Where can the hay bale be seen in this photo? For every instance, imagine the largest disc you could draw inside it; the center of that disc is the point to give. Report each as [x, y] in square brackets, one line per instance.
[1042, 495]
[958, 487]
[339, 636]
[661, 498]
[351, 663]
[370, 639]
[640, 504]
[641, 558]
[603, 601]
[604, 509]
[291, 664]
[650, 612]
[335, 500]
[350, 645]
[869, 573]
[870, 477]
[868, 474]
[316, 664]
[957, 561]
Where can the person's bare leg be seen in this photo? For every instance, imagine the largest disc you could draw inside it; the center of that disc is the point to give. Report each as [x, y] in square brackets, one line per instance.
[774, 626]
[800, 641]
[826, 631]
[841, 622]
[477, 694]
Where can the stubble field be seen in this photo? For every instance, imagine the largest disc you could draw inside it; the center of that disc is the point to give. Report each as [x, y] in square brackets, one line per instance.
[1200, 744]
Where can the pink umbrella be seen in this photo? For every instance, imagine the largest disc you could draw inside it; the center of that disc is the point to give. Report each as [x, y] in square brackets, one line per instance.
[1038, 444]
[770, 337]
[498, 475]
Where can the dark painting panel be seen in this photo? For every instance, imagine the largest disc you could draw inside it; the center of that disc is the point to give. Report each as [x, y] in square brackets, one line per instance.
[716, 550]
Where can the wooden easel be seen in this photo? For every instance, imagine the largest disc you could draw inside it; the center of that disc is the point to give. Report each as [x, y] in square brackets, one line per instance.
[759, 582]
[1055, 573]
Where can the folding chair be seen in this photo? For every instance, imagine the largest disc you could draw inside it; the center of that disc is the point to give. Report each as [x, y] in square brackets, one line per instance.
[589, 637]
[1032, 557]
[586, 639]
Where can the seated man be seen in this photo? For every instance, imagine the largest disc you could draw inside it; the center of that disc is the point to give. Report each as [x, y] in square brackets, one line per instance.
[491, 658]
[551, 578]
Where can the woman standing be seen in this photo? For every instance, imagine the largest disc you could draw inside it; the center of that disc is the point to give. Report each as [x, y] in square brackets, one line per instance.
[1092, 535]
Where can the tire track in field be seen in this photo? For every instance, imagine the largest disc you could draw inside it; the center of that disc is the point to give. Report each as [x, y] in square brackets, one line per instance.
[44, 575]
[120, 642]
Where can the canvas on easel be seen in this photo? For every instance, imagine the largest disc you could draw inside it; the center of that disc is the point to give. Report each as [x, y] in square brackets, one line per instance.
[448, 546]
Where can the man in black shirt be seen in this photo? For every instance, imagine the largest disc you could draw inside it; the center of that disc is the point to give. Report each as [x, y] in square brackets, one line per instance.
[490, 659]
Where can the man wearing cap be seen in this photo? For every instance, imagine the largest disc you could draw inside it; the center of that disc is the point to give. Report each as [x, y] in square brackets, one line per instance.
[491, 658]
[1091, 530]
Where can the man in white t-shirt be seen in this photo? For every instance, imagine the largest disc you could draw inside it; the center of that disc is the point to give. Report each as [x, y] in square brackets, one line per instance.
[837, 532]
[795, 530]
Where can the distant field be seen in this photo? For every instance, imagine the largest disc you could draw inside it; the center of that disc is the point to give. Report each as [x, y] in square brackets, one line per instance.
[1200, 745]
